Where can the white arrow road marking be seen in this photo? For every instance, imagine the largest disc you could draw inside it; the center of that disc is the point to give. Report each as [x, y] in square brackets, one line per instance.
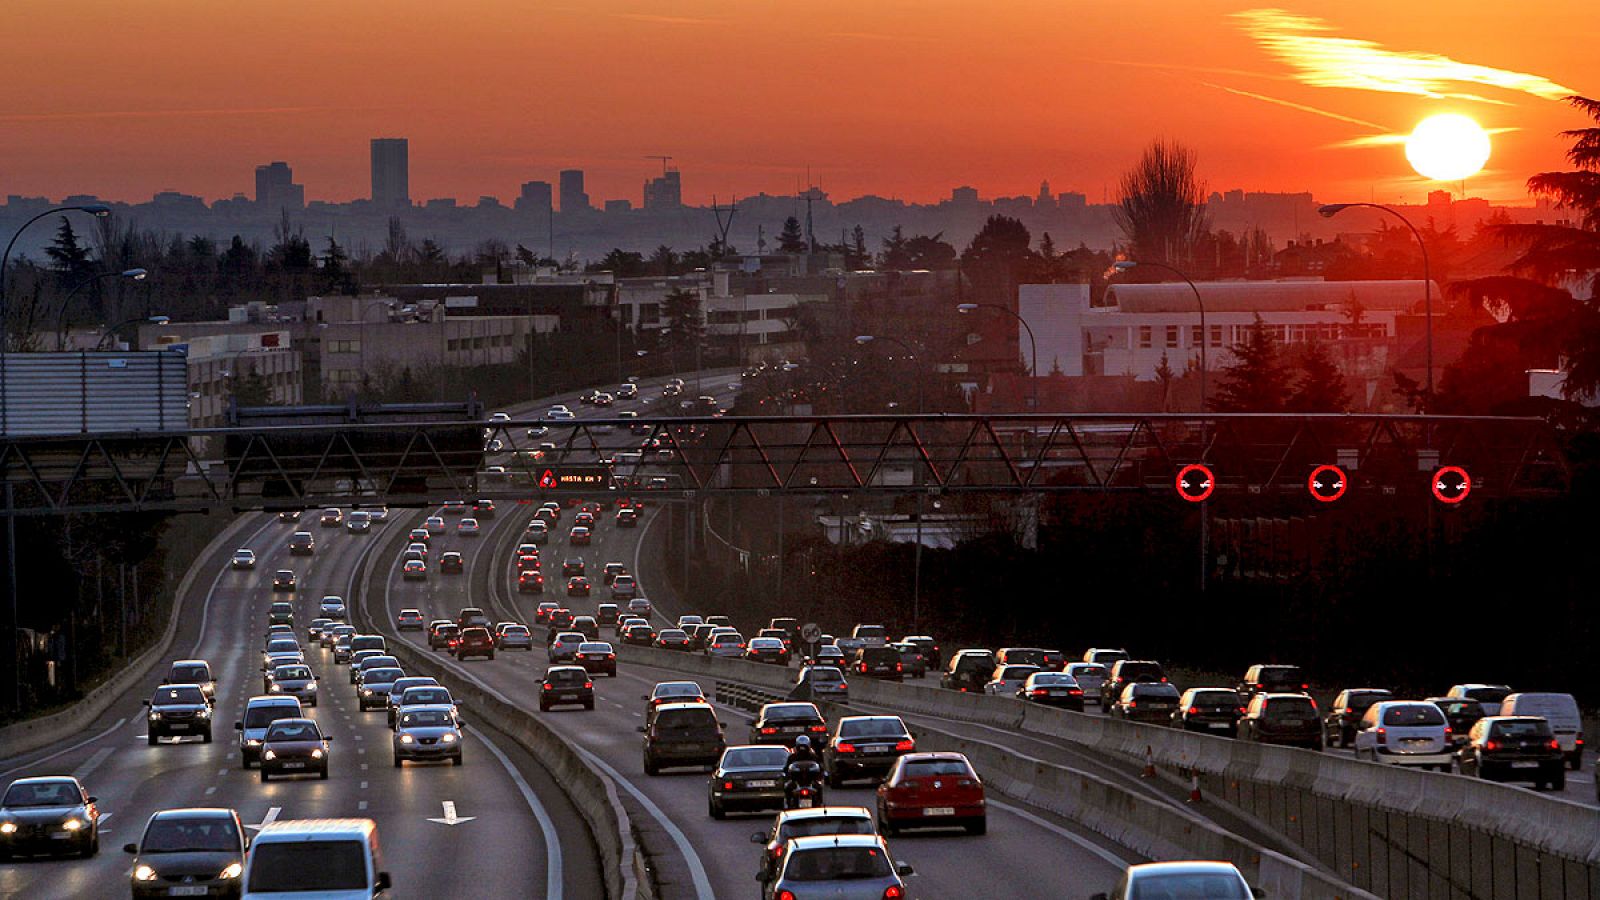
[268, 819]
[450, 817]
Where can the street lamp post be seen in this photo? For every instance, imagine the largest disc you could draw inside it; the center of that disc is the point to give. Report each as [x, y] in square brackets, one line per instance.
[112, 330]
[1205, 335]
[61, 317]
[1329, 210]
[1033, 347]
[916, 561]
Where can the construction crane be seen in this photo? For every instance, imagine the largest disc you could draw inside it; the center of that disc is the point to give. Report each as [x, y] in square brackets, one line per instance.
[664, 161]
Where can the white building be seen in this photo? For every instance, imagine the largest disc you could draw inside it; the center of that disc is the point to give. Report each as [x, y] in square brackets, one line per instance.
[216, 361]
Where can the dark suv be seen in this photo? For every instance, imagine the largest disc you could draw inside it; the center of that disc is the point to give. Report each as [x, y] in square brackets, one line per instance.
[1514, 748]
[682, 734]
[1339, 726]
[969, 671]
[1282, 719]
[472, 617]
[1272, 679]
[1208, 710]
[1150, 702]
[1126, 672]
[879, 662]
[566, 685]
[178, 709]
[474, 642]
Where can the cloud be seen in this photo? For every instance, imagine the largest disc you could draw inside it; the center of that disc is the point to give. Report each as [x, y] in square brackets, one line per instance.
[1304, 43]
[21, 118]
[883, 36]
[666, 20]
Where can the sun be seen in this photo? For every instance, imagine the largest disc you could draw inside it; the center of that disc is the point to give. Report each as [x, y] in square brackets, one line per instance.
[1447, 147]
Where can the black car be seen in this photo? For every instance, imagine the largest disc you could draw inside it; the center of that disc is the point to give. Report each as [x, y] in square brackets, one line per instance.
[865, 746]
[1339, 725]
[781, 723]
[879, 662]
[188, 851]
[451, 562]
[1126, 672]
[441, 636]
[1056, 689]
[1289, 719]
[1209, 711]
[969, 671]
[1272, 678]
[1146, 701]
[283, 581]
[301, 543]
[1462, 713]
[178, 710]
[566, 685]
[1514, 748]
[572, 567]
[747, 779]
[40, 810]
[681, 734]
[639, 635]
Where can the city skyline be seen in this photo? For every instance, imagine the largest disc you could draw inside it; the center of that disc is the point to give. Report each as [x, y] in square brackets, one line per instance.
[868, 102]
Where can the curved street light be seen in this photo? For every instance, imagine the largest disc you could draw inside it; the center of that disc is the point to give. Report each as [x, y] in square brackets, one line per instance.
[965, 308]
[112, 330]
[61, 316]
[1128, 265]
[1329, 210]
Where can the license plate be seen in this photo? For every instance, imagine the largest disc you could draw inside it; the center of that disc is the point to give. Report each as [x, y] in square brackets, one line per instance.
[877, 748]
[187, 891]
[178, 726]
[761, 784]
[568, 697]
[1220, 726]
[1524, 765]
[1415, 742]
[1293, 723]
[294, 765]
[60, 835]
[939, 811]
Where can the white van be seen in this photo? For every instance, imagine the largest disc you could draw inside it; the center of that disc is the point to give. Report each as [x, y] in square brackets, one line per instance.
[330, 859]
[1561, 711]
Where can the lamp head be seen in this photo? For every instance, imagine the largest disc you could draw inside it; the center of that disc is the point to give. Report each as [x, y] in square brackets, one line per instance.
[1124, 265]
[863, 338]
[966, 307]
[96, 209]
[159, 320]
[1329, 210]
[136, 274]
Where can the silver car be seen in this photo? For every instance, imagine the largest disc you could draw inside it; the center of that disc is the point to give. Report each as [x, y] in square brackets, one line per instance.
[398, 689]
[565, 647]
[1181, 879]
[1089, 676]
[839, 867]
[426, 732]
[515, 636]
[294, 680]
[375, 685]
[827, 683]
[726, 644]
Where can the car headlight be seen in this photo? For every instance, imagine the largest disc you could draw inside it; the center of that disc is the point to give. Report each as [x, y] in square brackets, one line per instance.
[234, 870]
[275, 688]
[269, 755]
[143, 873]
[8, 828]
[73, 824]
[155, 713]
[366, 692]
[252, 743]
[407, 739]
[316, 754]
[448, 738]
[204, 713]
[311, 685]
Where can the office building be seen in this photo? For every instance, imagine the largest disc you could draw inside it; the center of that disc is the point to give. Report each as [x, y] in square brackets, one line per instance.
[665, 192]
[391, 172]
[276, 190]
[573, 198]
[535, 199]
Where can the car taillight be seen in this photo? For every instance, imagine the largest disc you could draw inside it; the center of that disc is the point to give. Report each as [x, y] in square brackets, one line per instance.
[863, 667]
[893, 892]
[1447, 731]
[1040, 692]
[1241, 710]
[784, 895]
[1194, 710]
[905, 746]
[1305, 687]
[1133, 704]
[1383, 736]
[1075, 692]
[844, 748]
[1555, 744]
[588, 684]
[547, 687]
[819, 728]
[727, 785]
[769, 730]
[1163, 679]
[899, 667]
[1491, 745]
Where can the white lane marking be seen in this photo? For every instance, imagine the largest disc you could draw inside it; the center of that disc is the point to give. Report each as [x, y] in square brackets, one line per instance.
[222, 772]
[554, 868]
[363, 767]
[211, 790]
[1111, 858]
[268, 819]
[363, 785]
[361, 805]
[88, 740]
[205, 608]
[697, 869]
[84, 771]
[450, 817]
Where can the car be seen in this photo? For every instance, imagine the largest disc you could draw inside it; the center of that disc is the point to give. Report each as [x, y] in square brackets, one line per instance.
[375, 686]
[483, 509]
[49, 815]
[418, 536]
[424, 733]
[1105, 656]
[289, 515]
[333, 637]
[1056, 689]
[672, 639]
[369, 653]
[243, 558]
[563, 646]
[1514, 748]
[530, 582]
[627, 518]
[537, 532]
[853, 865]
[823, 683]
[1289, 719]
[864, 746]
[1089, 676]
[929, 646]
[572, 565]
[333, 607]
[912, 663]
[566, 685]
[281, 613]
[440, 637]
[579, 536]
[624, 587]
[177, 710]
[748, 778]
[424, 695]
[409, 619]
[474, 641]
[539, 431]
[331, 518]
[687, 621]
[435, 525]
[378, 515]
[781, 723]
[968, 671]
[1208, 711]
[188, 851]
[1490, 696]
[294, 680]
[586, 519]
[878, 661]
[295, 856]
[578, 586]
[416, 550]
[1023, 656]
[638, 634]
[414, 570]
[451, 562]
[284, 581]
[358, 522]
[541, 613]
[454, 508]
[1125, 672]
[279, 657]
[1405, 733]
[597, 658]
[767, 650]
[1339, 725]
[294, 747]
[608, 614]
[797, 823]
[1146, 701]
[827, 654]
[397, 692]
[931, 790]
[627, 391]
[603, 399]
[468, 527]
[1273, 678]
[1008, 679]
[682, 734]
[514, 637]
[1180, 879]
[560, 619]
[1561, 711]
[1460, 712]
[259, 714]
[664, 692]
[317, 627]
[193, 671]
[726, 644]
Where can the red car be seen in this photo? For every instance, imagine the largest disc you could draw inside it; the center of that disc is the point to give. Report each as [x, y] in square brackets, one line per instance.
[579, 536]
[526, 563]
[530, 582]
[473, 642]
[931, 790]
[559, 619]
[577, 586]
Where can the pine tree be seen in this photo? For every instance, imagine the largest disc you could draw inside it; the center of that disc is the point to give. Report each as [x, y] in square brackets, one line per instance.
[1257, 380]
[70, 257]
[895, 257]
[1322, 386]
[685, 329]
[857, 256]
[1165, 377]
[791, 239]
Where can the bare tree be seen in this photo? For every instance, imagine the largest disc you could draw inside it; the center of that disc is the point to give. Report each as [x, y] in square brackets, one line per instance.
[1161, 205]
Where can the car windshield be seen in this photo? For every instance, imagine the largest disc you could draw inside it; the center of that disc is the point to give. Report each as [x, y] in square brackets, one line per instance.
[700, 717]
[1197, 886]
[519, 630]
[1012, 673]
[1280, 675]
[1026, 657]
[307, 866]
[1092, 670]
[594, 648]
[1154, 691]
[678, 690]
[291, 673]
[1513, 729]
[262, 716]
[566, 676]
[1216, 698]
[197, 835]
[426, 718]
[190, 673]
[385, 676]
[825, 674]
[177, 695]
[283, 646]
[1054, 679]
[799, 828]
[804, 712]
[1413, 715]
[425, 695]
[867, 632]
[872, 728]
[755, 757]
[921, 767]
[45, 793]
[293, 731]
[1366, 698]
[1487, 694]
[1290, 708]
[837, 864]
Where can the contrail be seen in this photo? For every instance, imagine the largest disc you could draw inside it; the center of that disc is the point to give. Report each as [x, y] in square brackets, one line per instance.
[159, 113]
[1300, 106]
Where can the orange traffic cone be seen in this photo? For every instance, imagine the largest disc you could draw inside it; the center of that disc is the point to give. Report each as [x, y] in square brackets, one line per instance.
[1149, 762]
[1194, 786]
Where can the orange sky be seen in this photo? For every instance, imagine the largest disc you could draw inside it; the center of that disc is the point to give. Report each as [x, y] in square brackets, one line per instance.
[901, 98]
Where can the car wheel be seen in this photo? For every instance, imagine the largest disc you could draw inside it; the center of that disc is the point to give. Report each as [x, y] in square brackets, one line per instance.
[491, 656]
[206, 738]
[323, 774]
[151, 739]
[1575, 762]
[455, 760]
[399, 763]
[94, 845]
[835, 778]
[981, 826]
[650, 767]
[244, 761]
[1558, 781]
[544, 707]
[589, 705]
[715, 810]
[886, 827]
[263, 776]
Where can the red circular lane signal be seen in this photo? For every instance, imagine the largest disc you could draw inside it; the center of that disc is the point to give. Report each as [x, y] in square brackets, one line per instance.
[1451, 484]
[1195, 482]
[1327, 483]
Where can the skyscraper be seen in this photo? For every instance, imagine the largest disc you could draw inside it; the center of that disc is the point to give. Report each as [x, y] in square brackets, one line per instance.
[535, 199]
[572, 196]
[665, 192]
[391, 172]
[276, 190]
